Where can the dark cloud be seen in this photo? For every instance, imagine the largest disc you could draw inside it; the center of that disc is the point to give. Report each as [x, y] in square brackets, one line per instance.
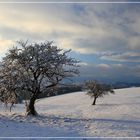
[123, 57]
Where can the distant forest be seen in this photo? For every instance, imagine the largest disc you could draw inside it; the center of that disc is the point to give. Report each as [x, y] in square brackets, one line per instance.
[75, 88]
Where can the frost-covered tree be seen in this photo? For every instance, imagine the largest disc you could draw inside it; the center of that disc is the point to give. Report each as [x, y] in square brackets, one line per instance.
[35, 68]
[96, 90]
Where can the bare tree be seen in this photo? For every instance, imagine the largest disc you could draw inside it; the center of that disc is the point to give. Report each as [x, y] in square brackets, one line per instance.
[96, 90]
[35, 68]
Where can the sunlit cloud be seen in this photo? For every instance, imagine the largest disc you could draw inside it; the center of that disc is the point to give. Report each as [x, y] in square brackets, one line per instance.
[5, 44]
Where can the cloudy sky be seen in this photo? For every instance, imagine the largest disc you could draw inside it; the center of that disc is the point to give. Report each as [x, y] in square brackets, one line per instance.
[105, 37]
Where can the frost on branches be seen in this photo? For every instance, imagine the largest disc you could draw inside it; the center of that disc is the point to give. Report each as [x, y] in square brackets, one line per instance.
[33, 69]
[96, 90]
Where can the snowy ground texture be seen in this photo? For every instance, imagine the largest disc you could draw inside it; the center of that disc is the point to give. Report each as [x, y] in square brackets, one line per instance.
[72, 115]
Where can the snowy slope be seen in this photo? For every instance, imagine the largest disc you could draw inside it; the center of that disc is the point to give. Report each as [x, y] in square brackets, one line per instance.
[73, 115]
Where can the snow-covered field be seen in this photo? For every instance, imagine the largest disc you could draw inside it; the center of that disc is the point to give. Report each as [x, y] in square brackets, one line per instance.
[72, 115]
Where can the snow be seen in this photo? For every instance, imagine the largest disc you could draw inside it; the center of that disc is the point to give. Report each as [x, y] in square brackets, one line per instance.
[72, 115]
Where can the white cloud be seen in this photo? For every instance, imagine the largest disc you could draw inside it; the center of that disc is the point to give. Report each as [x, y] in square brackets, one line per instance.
[83, 64]
[85, 28]
[103, 66]
[5, 44]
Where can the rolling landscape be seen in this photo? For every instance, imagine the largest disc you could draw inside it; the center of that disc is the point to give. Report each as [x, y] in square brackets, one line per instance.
[72, 115]
[70, 69]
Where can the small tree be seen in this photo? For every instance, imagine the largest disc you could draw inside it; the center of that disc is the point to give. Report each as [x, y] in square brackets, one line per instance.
[96, 90]
[33, 69]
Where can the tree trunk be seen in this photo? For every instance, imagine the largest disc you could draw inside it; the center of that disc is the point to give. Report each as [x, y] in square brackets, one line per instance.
[94, 102]
[30, 109]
